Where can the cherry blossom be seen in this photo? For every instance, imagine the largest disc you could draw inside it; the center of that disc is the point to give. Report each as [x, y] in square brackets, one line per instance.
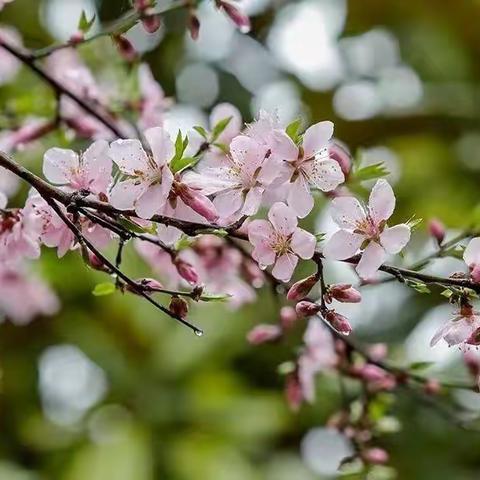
[280, 242]
[147, 177]
[471, 256]
[366, 229]
[90, 171]
[462, 329]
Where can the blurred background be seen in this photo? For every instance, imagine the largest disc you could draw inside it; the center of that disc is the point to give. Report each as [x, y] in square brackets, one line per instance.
[110, 389]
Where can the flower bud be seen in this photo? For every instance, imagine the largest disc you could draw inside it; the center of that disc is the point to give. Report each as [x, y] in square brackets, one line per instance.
[178, 306]
[150, 284]
[197, 201]
[432, 387]
[96, 263]
[472, 362]
[377, 351]
[345, 293]
[370, 372]
[151, 23]
[338, 322]
[239, 18]
[302, 288]
[341, 155]
[293, 392]
[76, 38]
[475, 272]
[306, 308]
[437, 230]
[186, 271]
[125, 48]
[264, 333]
[375, 456]
[288, 317]
[193, 25]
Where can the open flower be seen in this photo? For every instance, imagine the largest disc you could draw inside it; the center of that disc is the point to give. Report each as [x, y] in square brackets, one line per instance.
[366, 229]
[148, 178]
[279, 241]
[461, 329]
[89, 171]
[308, 165]
[471, 256]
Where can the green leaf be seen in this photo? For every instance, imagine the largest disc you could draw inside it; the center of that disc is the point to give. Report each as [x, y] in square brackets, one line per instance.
[179, 164]
[212, 297]
[199, 129]
[219, 232]
[103, 289]
[447, 293]
[414, 222]
[285, 368]
[370, 172]
[133, 227]
[224, 148]
[220, 127]
[184, 242]
[320, 236]
[293, 130]
[84, 25]
[418, 286]
[417, 366]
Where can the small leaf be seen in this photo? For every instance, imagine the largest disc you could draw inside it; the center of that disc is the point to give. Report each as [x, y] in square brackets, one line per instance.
[447, 293]
[219, 232]
[418, 286]
[220, 127]
[103, 289]
[199, 129]
[224, 148]
[84, 25]
[414, 222]
[285, 368]
[180, 164]
[293, 130]
[133, 227]
[211, 297]
[178, 146]
[370, 172]
[320, 236]
[417, 366]
[184, 242]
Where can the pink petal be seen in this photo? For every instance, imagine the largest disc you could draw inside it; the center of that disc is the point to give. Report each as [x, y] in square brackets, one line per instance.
[59, 165]
[129, 155]
[162, 146]
[225, 110]
[123, 194]
[209, 181]
[282, 218]
[228, 203]
[300, 198]
[459, 331]
[316, 138]
[284, 149]
[259, 230]
[263, 254]
[97, 165]
[3, 200]
[347, 212]
[471, 256]
[342, 245]
[284, 267]
[325, 174]
[253, 200]
[247, 153]
[395, 238]
[303, 243]
[372, 258]
[381, 202]
[151, 201]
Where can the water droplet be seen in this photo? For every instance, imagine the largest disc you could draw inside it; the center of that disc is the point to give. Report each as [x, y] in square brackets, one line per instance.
[198, 332]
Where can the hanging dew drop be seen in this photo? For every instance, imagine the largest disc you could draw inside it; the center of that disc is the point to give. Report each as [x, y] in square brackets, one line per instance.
[199, 333]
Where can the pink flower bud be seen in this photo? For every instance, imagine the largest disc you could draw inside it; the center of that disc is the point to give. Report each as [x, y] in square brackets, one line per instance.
[432, 387]
[375, 456]
[239, 18]
[151, 23]
[197, 201]
[193, 25]
[293, 392]
[472, 362]
[150, 284]
[338, 322]
[96, 263]
[475, 272]
[76, 38]
[437, 230]
[178, 306]
[306, 308]
[345, 293]
[186, 271]
[264, 333]
[288, 317]
[125, 48]
[370, 372]
[341, 155]
[377, 351]
[302, 288]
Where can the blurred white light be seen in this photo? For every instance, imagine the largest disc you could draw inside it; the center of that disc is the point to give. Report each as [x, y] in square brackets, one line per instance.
[69, 382]
[197, 84]
[323, 449]
[468, 150]
[61, 17]
[142, 40]
[216, 34]
[357, 101]
[303, 38]
[400, 87]
[370, 52]
[283, 98]
[253, 7]
[9, 183]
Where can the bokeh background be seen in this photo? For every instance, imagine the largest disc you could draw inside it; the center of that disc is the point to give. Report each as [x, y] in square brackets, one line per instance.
[110, 389]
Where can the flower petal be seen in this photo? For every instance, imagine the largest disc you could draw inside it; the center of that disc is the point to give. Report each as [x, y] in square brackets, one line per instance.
[282, 218]
[381, 203]
[325, 174]
[228, 203]
[162, 146]
[3, 200]
[393, 239]
[299, 197]
[151, 201]
[247, 153]
[253, 200]
[259, 230]
[284, 267]
[97, 165]
[459, 331]
[303, 243]
[123, 194]
[129, 155]
[372, 258]
[471, 256]
[59, 165]
[342, 245]
[316, 138]
[347, 212]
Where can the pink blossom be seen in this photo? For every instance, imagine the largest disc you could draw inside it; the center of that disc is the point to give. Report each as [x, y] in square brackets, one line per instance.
[375, 456]
[90, 171]
[461, 329]
[471, 256]
[264, 333]
[147, 178]
[280, 242]
[9, 65]
[366, 229]
[288, 317]
[308, 165]
[344, 293]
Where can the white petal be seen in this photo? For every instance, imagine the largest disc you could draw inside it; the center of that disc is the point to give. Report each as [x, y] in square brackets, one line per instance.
[253, 200]
[325, 174]
[129, 155]
[228, 203]
[124, 194]
[59, 165]
[151, 201]
[381, 203]
[284, 267]
[342, 245]
[372, 258]
[471, 256]
[316, 138]
[282, 218]
[300, 198]
[347, 212]
[395, 238]
[3, 200]
[284, 149]
[162, 146]
[303, 243]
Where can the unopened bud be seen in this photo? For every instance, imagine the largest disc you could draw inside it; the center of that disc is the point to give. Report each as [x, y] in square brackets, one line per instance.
[186, 271]
[193, 25]
[288, 317]
[472, 362]
[150, 284]
[375, 456]
[96, 263]
[264, 333]
[432, 387]
[341, 155]
[239, 18]
[377, 351]
[475, 272]
[307, 309]
[437, 230]
[76, 38]
[338, 322]
[125, 48]
[151, 23]
[344, 292]
[370, 372]
[178, 306]
[197, 202]
[302, 288]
